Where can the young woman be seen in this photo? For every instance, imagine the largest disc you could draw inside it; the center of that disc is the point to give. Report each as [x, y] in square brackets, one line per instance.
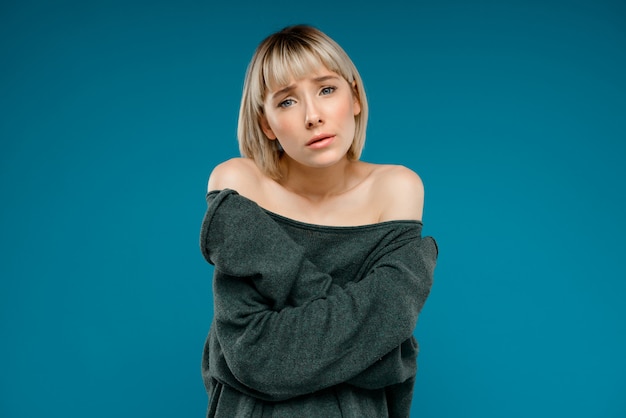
[320, 268]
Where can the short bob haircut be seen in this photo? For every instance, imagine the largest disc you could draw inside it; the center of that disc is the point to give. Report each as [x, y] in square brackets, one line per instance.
[295, 51]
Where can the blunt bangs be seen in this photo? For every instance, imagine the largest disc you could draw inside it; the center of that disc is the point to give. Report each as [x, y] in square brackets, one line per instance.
[293, 58]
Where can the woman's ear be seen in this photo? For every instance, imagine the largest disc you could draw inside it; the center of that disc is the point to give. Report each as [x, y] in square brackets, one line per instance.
[265, 127]
[357, 100]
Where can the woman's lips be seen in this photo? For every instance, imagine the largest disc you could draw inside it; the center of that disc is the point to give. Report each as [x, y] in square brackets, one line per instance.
[320, 141]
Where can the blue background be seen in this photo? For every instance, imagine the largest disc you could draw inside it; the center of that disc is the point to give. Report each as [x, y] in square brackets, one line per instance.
[113, 113]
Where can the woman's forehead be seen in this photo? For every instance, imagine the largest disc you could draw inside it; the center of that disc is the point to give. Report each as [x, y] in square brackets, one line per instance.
[282, 68]
[290, 77]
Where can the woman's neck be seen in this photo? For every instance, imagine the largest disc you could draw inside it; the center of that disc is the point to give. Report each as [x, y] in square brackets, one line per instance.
[318, 184]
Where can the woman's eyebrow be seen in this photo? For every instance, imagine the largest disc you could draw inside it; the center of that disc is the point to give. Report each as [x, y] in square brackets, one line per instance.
[325, 78]
[284, 90]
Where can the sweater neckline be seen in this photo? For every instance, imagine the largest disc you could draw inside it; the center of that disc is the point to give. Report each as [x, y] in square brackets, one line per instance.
[321, 227]
[340, 228]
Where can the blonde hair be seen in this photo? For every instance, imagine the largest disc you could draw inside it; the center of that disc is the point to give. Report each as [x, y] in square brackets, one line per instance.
[294, 51]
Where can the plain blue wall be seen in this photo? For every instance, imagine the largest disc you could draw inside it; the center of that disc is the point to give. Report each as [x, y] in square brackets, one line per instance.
[113, 113]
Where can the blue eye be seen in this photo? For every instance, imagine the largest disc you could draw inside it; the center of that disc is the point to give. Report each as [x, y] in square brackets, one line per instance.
[286, 103]
[328, 90]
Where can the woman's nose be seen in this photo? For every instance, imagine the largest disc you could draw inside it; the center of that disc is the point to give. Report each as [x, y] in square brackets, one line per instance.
[313, 117]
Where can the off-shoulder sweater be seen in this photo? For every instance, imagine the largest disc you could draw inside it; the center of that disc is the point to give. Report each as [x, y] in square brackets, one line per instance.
[311, 320]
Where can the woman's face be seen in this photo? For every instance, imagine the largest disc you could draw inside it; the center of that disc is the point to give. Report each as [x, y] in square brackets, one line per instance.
[312, 118]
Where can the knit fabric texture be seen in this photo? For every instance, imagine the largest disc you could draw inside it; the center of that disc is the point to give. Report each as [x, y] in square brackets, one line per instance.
[311, 320]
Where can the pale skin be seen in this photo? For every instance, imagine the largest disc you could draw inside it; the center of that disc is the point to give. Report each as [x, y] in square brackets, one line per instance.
[313, 119]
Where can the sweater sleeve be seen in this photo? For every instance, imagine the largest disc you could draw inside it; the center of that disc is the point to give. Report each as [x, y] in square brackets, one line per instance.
[283, 327]
[395, 367]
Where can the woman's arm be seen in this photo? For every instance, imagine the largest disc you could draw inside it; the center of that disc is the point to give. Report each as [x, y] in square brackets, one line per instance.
[284, 328]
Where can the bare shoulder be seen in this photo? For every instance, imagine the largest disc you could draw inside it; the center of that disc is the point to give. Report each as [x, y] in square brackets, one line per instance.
[401, 191]
[240, 174]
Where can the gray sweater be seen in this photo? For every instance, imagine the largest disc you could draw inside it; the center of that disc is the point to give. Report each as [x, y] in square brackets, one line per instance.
[311, 320]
